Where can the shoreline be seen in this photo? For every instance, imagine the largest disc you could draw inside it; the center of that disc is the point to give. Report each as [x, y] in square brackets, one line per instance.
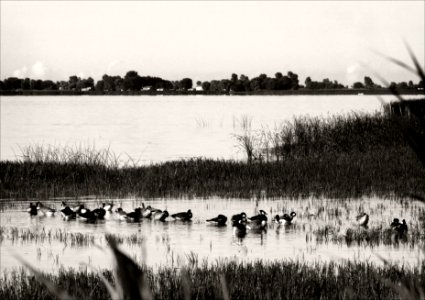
[302, 92]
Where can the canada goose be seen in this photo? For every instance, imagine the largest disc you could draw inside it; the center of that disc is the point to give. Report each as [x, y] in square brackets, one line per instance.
[362, 219]
[67, 213]
[32, 209]
[239, 218]
[135, 215]
[44, 210]
[122, 215]
[183, 216]
[220, 220]
[162, 217]
[259, 221]
[400, 228]
[100, 213]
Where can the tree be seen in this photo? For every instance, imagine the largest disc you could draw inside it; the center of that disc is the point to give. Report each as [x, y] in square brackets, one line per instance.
[278, 75]
[26, 84]
[358, 85]
[186, 83]
[206, 86]
[368, 82]
[308, 82]
[12, 83]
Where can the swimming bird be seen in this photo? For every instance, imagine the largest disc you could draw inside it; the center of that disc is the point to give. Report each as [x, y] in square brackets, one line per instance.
[285, 219]
[99, 213]
[32, 209]
[183, 216]
[67, 213]
[135, 215]
[87, 215]
[362, 219]
[162, 217]
[108, 206]
[400, 228]
[220, 220]
[239, 218]
[122, 215]
[239, 229]
[259, 221]
[45, 210]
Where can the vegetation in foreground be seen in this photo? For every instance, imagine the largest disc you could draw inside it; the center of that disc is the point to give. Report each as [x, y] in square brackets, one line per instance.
[345, 156]
[277, 280]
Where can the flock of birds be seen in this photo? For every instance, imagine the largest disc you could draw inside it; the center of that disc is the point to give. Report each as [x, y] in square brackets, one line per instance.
[240, 222]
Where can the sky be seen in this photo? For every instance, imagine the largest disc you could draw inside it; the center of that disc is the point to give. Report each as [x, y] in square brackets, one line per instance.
[205, 40]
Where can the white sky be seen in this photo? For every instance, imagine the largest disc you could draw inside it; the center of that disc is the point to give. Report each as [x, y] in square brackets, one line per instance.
[209, 40]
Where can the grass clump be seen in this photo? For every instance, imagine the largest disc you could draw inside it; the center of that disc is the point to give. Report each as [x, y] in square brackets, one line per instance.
[277, 280]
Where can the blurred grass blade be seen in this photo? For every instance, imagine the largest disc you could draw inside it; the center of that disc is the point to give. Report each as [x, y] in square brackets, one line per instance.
[419, 70]
[51, 287]
[224, 288]
[131, 281]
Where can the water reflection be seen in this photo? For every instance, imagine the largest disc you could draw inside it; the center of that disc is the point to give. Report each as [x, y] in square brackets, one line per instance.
[324, 230]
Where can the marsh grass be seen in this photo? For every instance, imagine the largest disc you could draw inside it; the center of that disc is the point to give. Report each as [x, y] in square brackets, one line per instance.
[72, 239]
[258, 280]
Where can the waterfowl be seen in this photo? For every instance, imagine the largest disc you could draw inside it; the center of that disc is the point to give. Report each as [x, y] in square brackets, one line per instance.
[99, 213]
[87, 215]
[400, 228]
[362, 219]
[44, 210]
[67, 213]
[259, 221]
[239, 218]
[162, 217]
[239, 229]
[289, 219]
[220, 220]
[146, 212]
[107, 206]
[32, 209]
[183, 216]
[135, 215]
[122, 215]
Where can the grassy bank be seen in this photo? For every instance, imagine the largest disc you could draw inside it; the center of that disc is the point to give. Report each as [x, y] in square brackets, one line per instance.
[345, 156]
[277, 280]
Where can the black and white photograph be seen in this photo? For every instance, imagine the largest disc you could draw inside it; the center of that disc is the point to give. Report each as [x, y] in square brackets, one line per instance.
[212, 149]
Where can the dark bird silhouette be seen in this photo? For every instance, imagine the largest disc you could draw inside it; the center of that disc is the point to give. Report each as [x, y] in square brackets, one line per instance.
[99, 213]
[285, 219]
[183, 216]
[259, 221]
[135, 215]
[399, 228]
[162, 217]
[32, 209]
[67, 213]
[220, 220]
[239, 218]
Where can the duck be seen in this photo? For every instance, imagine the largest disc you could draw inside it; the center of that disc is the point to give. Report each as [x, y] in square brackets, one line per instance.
[259, 221]
[239, 229]
[400, 228]
[107, 206]
[146, 211]
[122, 215]
[220, 220]
[362, 219]
[32, 210]
[183, 216]
[285, 219]
[86, 215]
[239, 218]
[135, 215]
[162, 217]
[44, 210]
[67, 213]
[99, 213]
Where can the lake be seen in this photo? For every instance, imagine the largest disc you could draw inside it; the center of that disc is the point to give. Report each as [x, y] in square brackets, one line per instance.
[152, 129]
[158, 128]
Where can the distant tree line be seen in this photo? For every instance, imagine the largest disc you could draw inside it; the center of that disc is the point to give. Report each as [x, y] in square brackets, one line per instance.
[133, 82]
